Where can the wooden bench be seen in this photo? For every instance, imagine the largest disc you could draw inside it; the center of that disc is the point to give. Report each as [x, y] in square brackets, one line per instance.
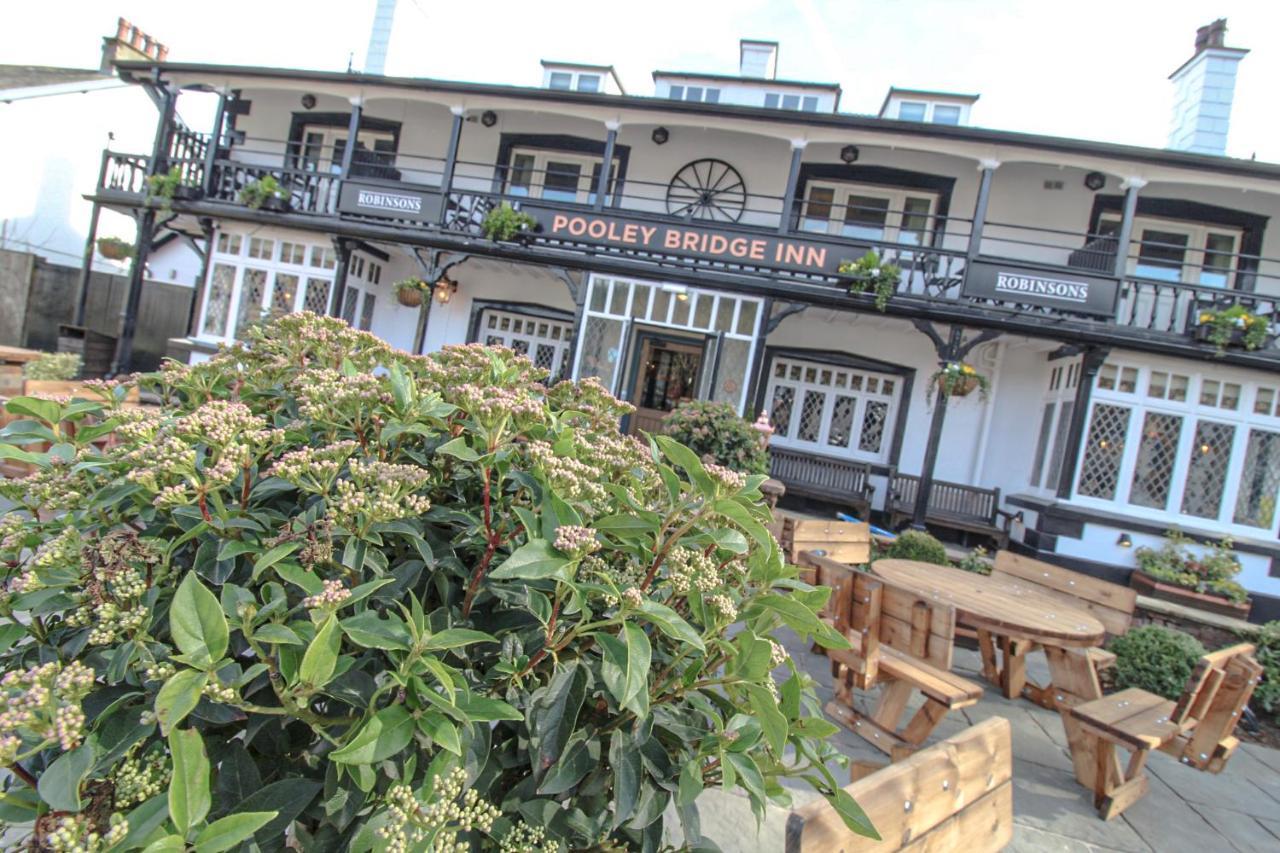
[1198, 729]
[955, 506]
[1110, 603]
[955, 795]
[899, 640]
[846, 542]
[828, 478]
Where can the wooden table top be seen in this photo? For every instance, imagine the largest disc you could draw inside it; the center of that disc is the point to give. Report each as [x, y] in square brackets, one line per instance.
[18, 355]
[1001, 605]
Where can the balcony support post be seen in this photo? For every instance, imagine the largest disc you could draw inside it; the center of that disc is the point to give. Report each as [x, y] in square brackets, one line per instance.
[986, 169]
[450, 163]
[954, 348]
[602, 183]
[215, 142]
[86, 270]
[353, 136]
[123, 360]
[793, 180]
[1092, 361]
[1131, 187]
[343, 250]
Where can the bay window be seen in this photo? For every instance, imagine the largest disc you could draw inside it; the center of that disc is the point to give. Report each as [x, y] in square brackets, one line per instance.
[832, 410]
[869, 212]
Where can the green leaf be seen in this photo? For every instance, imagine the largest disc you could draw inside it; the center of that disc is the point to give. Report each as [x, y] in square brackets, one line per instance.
[195, 619]
[803, 620]
[167, 844]
[752, 659]
[178, 697]
[626, 668]
[688, 460]
[143, 821]
[189, 798]
[367, 630]
[321, 657]
[534, 560]
[483, 709]
[553, 713]
[10, 634]
[459, 449]
[289, 797]
[624, 758]
[229, 831]
[575, 763]
[452, 638]
[275, 555]
[441, 730]
[690, 782]
[42, 410]
[8, 451]
[273, 632]
[385, 734]
[730, 540]
[308, 582]
[740, 515]
[59, 785]
[852, 814]
[670, 623]
[771, 719]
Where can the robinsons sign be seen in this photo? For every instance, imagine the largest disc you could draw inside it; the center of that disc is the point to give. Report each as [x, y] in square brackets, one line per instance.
[1078, 294]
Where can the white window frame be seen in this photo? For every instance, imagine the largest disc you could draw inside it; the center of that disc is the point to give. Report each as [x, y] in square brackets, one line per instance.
[326, 161]
[1197, 245]
[575, 80]
[533, 331]
[1244, 418]
[1064, 378]
[681, 91]
[541, 157]
[896, 197]
[788, 435]
[930, 107]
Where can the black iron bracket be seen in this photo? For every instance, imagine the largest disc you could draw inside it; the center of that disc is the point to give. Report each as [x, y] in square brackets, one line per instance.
[785, 310]
[955, 348]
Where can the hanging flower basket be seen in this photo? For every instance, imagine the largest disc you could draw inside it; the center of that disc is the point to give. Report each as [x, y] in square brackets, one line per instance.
[871, 275]
[1233, 327]
[410, 292]
[958, 379]
[115, 249]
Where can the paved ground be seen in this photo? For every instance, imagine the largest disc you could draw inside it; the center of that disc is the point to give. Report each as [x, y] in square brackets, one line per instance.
[1186, 810]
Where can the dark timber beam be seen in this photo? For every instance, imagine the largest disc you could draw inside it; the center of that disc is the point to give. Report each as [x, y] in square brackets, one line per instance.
[353, 137]
[793, 179]
[82, 297]
[215, 141]
[1125, 237]
[953, 349]
[602, 183]
[343, 250]
[435, 264]
[450, 162]
[1093, 359]
[987, 169]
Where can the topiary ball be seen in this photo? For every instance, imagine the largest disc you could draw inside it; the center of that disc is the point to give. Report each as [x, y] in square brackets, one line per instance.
[1156, 659]
[918, 545]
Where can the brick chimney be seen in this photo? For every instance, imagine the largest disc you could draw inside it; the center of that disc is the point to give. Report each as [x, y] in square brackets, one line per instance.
[1204, 87]
[130, 43]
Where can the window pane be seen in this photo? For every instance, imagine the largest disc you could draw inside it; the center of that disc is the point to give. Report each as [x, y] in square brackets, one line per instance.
[677, 93]
[253, 285]
[873, 426]
[809, 104]
[841, 421]
[865, 217]
[588, 82]
[1042, 443]
[817, 212]
[1153, 470]
[1100, 471]
[1263, 402]
[911, 111]
[693, 93]
[284, 293]
[521, 174]
[219, 299]
[1162, 254]
[1256, 499]
[712, 96]
[349, 304]
[366, 312]
[1207, 469]
[1059, 445]
[747, 318]
[791, 102]
[560, 80]
[915, 220]
[601, 338]
[316, 299]
[561, 181]
[811, 416]
[771, 101]
[784, 397]
[946, 114]
[1218, 259]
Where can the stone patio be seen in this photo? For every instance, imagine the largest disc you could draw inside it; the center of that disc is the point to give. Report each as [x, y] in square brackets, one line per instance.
[1186, 810]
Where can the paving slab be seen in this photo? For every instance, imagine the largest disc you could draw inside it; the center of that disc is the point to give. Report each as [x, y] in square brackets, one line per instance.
[1265, 754]
[1245, 785]
[1243, 831]
[1030, 741]
[1028, 839]
[1049, 800]
[1169, 824]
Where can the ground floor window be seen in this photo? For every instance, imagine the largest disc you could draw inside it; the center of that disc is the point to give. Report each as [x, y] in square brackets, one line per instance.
[1055, 423]
[833, 410]
[546, 342]
[1205, 448]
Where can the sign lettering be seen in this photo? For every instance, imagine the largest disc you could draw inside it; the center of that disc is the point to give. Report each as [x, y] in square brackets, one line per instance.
[1080, 294]
[370, 200]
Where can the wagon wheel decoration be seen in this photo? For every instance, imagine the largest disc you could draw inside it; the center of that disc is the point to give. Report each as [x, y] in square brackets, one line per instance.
[707, 189]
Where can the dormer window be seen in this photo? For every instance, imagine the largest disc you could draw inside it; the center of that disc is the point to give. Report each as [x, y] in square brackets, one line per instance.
[579, 78]
[560, 80]
[948, 108]
[698, 94]
[946, 114]
[778, 100]
[912, 110]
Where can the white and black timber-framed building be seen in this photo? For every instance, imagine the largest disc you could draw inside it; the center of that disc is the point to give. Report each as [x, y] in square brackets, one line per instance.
[703, 263]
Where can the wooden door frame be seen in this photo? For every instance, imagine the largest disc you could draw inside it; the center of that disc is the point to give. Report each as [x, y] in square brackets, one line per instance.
[641, 334]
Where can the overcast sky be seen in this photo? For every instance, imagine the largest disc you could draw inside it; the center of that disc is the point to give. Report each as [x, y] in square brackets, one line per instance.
[1094, 69]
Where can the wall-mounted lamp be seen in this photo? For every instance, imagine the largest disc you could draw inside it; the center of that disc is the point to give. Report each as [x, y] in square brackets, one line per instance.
[444, 289]
[1124, 541]
[488, 118]
[660, 136]
[308, 101]
[1095, 181]
[849, 153]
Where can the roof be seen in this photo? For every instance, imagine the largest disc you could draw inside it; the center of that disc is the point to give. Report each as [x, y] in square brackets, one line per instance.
[1136, 153]
[29, 76]
[755, 81]
[925, 93]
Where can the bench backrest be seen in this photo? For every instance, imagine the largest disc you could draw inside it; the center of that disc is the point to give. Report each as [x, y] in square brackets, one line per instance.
[1214, 698]
[843, 541]
[946, 499]
[955, 795]
[1111, 603]
[881, 612]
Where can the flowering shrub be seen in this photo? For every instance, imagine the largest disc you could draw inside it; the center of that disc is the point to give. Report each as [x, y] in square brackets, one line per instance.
[958, 379]
[1211, 574]
[1267, 652]
[56, 366]
[1235, 323]
[871, 274]
[918, 545]
[435, 606]
[716, 433]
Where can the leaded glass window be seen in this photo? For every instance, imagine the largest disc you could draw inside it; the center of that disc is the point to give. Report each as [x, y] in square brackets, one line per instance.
[218, 301]
[1153, 470]
[1100, 470]
[1207, 469]
[831, 409]
[1259, 479]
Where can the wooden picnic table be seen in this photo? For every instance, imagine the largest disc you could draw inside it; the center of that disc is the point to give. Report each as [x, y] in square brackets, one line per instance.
[1022, 618]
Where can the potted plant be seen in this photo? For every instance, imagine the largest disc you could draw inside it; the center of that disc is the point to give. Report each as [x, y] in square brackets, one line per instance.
[115, 249]
[504, 222]
[410, 292]
[1234, 326]
[958, 379]
[52, 373]
[168, 187]
[1174, 573]
[870, 274]
[265, 192]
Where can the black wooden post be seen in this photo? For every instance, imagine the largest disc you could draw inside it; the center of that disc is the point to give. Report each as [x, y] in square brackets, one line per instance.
[202, 283]
[987, 169]
[123, 360]
[353, 134]
[450, 162]
[1131, 187]
[343, 249]
[1093, 359]
[793, 178]
[215, 143]
[82, 298]
[602, 183]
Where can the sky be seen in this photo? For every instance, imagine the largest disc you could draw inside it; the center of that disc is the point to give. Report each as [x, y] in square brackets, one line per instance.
[1090, 69]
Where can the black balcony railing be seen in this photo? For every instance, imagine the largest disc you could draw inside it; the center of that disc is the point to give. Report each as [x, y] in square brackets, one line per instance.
[931, 250]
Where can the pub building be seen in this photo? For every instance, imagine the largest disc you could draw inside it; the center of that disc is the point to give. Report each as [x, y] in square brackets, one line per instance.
[688, 244]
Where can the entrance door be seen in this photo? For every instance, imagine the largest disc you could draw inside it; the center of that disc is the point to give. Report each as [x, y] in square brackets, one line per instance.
[666, 374]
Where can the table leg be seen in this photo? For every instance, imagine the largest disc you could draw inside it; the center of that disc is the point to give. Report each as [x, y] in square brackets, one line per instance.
[1013, 677]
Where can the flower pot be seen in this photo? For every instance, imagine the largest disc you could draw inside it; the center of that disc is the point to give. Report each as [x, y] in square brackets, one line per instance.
[965, 387]
[1155, 588]
[276, 204]
[114, 250]
[186, 192]
[409, 297]
[1203, 333]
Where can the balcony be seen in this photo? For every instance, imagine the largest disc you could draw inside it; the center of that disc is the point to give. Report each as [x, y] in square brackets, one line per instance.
[1020, 277]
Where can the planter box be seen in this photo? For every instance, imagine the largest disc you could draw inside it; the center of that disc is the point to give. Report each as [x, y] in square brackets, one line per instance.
[1149, 586]
[277, 205]
[1201, 332]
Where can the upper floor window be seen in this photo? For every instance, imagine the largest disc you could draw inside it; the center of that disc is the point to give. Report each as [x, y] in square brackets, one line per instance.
[1186, 252]
[930, 111]
[581, 81]
[912, 110]
[702, 94]
[555, 175]
[777, 100]
[321, 148]
[869, 212]
[946, 114]
[831, 409]
[560, 80]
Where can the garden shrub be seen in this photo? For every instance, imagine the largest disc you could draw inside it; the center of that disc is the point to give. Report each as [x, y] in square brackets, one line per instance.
[383, 601]
[918, 545]
[1175, 563]
[55, 366]
[975, 561]
[1267, 642]
[1156, 659]
[714, 431]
